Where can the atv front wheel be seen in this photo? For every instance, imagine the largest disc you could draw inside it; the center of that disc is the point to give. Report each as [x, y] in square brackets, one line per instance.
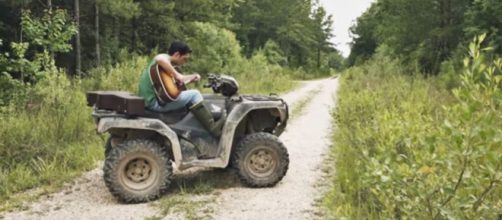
[137, 171]
[261, 160]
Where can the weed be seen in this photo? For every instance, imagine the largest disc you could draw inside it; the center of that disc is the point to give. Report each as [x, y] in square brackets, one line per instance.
[301, 104]
[408, 149]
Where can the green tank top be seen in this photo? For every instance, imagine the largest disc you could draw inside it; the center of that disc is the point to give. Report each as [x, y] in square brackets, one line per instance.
[145, 86]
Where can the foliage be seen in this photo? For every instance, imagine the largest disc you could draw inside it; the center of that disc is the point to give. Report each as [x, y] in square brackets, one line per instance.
[425, 33]
[220, 53]
[364, 37]
[215, 49]
[485, 17]
[274, 53]
[406, 149]
[302, 30]
[121, 76]
[47, 137]
[52, 31]
[123, 8]
[256, 75]
[18, 63]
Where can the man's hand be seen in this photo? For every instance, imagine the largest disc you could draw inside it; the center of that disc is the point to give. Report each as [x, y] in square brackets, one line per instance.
[196, 77]
[192, 78]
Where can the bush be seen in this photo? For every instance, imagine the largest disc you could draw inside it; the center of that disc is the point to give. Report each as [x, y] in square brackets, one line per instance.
[408, 149]
[121, 76]
[216, 50]
[47, 137]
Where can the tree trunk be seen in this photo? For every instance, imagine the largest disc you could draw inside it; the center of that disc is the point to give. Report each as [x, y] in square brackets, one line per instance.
[78, 60]
[49, 5]
[134, 36]
[319, 57]
[98, 52]
[117, 36]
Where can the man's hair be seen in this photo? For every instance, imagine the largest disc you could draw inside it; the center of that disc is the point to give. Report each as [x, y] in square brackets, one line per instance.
[179, 46]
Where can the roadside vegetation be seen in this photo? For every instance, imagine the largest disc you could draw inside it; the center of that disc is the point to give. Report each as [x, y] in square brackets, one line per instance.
[406, 147]
[419, 110]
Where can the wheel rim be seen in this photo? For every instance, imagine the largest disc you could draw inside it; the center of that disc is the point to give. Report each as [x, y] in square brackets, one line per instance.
[261, 162]
[138, 173]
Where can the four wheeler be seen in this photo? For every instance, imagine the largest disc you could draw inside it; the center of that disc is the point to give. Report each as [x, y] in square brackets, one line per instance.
[144, 147]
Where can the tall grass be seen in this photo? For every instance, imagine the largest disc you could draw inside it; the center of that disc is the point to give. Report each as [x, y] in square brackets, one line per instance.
[407, 149]
[46, 137]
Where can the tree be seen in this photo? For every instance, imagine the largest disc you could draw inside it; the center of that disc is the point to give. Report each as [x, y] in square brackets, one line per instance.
[52, 31]
[322, 25]
[301, 30]
[418, 32]
[364, 36]
[78, 59]
[485, 16]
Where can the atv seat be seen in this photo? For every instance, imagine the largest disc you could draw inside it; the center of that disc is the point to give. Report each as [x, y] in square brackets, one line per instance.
[130, 105]
[170, 117]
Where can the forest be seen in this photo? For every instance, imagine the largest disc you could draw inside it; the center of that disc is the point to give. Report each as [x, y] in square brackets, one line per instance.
[90, 34]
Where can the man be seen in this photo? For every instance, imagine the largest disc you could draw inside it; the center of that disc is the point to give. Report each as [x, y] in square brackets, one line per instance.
[178, 54]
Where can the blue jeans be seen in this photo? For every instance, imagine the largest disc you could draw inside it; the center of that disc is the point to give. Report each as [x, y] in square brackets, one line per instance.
[187, 98]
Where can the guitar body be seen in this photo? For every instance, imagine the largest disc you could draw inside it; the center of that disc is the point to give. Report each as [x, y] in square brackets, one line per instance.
[166, 87]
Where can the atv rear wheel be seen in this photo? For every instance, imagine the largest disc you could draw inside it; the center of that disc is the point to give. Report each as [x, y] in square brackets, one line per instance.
[137, 171]
[111, 142]
[261, 160]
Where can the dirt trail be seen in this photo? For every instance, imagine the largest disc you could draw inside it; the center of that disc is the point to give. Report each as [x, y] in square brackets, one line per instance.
[307, 140]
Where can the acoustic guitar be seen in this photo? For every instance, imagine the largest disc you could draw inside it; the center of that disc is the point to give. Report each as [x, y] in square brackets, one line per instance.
[166, 87]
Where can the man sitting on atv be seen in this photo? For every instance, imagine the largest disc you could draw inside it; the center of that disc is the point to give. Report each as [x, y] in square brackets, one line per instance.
[178, 54]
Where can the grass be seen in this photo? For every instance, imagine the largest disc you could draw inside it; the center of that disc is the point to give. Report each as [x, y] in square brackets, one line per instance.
[193, 195]
[379, 115]
[408, 148]
[47, 143]
[49, 175]
[300, 106]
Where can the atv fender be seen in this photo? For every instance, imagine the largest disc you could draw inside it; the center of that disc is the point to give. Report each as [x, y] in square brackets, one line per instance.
[150, 124]
[237, 115]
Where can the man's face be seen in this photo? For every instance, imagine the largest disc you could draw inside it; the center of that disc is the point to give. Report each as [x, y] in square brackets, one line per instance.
[179, 59]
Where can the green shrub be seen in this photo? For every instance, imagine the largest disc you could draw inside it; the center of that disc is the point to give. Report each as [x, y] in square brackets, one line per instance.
[216, 50]
[48, 138]
[406, 149]
[256, 75]
[121, 76]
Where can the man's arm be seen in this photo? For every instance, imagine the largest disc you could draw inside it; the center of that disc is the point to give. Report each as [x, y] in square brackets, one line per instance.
[163, 61]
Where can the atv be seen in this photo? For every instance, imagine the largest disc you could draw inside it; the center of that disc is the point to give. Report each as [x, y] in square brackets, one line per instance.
[144, 147]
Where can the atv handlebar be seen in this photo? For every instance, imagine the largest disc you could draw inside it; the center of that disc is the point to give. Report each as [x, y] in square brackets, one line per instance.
[224, 84]
[212, 81]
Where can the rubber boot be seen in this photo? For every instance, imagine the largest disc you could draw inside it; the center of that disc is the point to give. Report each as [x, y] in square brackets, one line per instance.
[206, 119]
